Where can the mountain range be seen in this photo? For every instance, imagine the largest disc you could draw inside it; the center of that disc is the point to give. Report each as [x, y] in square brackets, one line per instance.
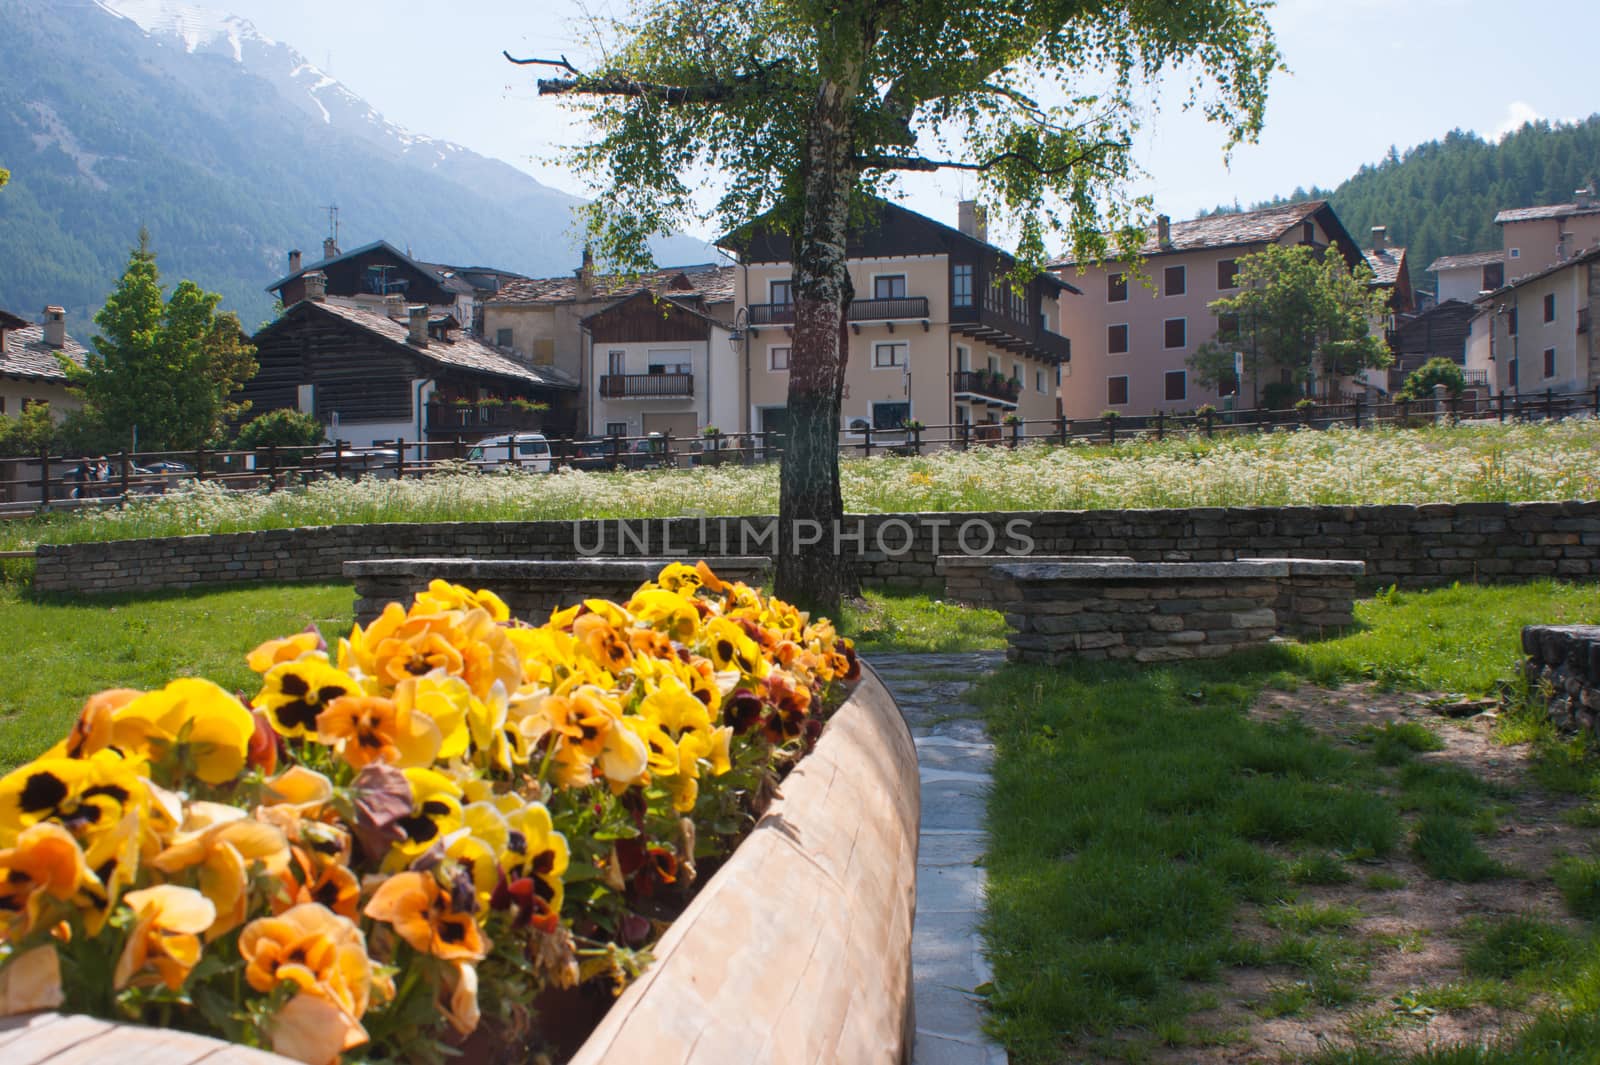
[228, 146]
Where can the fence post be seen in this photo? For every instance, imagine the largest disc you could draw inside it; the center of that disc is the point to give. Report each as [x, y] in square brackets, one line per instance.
[1111, 429]
[766, 445]
[1455, 408]
[338, 459]
[1061, 430]
[616, 450]
[916, 441]
[460, 452]
[1549, 404]
[1161, 425]
[1597, 401]
[400, 458]
[511, 451]
[866, 442]
[1405, 412]
[964, 435]
[272, 467]
[1016, 433]
[666, 448]
[1501, 398]
[122, 458]
[1358, 410]
[200, 463]
[44, 477]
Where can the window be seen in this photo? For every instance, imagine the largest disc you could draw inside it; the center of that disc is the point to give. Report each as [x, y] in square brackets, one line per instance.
[782, 292]
[1308, 233]
[963, 357]
[1227, 274]
[994, 363]
[1116, 339]
[777, 358]
[961, 285]
[1116, 288]
[1514, 253]
[1058, 375]
[1494, 275]
[890, 415]
[1176, 281]
[1117, 391]
[1016, 372]
[1177, 332]
[616, 428]
[1550, 307]
[502, 337]
[1038, 381]
[1549, 362]
[963, 416]
[617, 363]
[544, 351]
[1511, 322]
[1227, 328]
[886, 355]
[1513, 372]
[1177, 385]
[889, 287]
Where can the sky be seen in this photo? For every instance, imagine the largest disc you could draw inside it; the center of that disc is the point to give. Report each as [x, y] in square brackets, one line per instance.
[1365, 75]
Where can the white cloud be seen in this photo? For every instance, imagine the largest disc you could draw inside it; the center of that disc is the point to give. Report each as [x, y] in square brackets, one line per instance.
[1518, 114]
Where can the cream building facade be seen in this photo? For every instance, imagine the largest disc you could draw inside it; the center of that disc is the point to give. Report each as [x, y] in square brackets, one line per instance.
[1537, 334]
[30, 363]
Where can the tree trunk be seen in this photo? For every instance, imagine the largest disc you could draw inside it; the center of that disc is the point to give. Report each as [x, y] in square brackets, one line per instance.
[814, 575]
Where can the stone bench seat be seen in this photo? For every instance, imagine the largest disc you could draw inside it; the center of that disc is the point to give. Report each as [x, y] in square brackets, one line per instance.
[1166, 611]
[972, 580]
[531, 588]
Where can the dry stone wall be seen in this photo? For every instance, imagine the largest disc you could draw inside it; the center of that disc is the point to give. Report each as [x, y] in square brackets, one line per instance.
[1563, 667]
[1410, 546]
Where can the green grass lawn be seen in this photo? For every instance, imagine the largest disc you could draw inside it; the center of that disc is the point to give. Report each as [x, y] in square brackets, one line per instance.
[881, 622]
[1137, 812]
[65, 650]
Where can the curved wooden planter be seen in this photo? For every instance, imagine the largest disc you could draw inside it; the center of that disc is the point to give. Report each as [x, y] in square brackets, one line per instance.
[797, 951]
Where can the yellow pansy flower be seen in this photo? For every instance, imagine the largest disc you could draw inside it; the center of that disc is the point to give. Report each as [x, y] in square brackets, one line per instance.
[208, 729]
[224, 846]
[45, 864]
[443, 596]
[294, 693]
[289, 648]
[168, 921]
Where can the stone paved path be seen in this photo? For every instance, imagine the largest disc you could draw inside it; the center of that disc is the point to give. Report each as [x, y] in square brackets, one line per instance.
[954, 755]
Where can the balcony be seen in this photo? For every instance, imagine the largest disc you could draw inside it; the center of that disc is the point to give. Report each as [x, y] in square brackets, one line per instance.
[1475, 378]
[647, 386]
[900, 308]
[985, 387]
[998, 316]
[483, 418]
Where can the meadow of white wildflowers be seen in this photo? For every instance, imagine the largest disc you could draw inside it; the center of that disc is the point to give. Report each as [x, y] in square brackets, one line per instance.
[1339, 466]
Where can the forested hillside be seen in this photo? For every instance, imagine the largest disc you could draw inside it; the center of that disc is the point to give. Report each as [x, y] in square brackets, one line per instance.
[1440, 198]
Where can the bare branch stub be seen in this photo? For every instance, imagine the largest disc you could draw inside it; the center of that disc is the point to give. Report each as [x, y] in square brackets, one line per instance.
[921, 163]
[562, 62]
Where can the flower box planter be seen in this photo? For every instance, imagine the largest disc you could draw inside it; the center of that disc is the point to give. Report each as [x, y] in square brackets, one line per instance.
[797, 950]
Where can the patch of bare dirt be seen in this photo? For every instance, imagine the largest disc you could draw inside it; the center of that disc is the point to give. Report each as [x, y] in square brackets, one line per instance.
[1409, 938]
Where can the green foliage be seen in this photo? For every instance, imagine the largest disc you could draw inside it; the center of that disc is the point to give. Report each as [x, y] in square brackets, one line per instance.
[1440, 198]
[1446, 847]
[886, 622]
[28, 433]
[1508, 947]
[1579, 881]
[283, 428]
[1436, 371]
[1299, 313]
[1395, 741]
[163, 368]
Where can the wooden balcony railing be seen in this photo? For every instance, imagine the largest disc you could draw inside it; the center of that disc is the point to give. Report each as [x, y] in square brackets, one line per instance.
[483, 418]
[646, 385]
[884, 310]
[984, 383]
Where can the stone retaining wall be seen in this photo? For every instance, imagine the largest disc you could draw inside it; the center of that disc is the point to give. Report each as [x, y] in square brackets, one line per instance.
[1563, 666]
[1409, 546]
[971, 579]
[531, 589]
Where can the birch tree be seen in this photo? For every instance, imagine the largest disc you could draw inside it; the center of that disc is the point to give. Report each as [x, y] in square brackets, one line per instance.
[800, 110]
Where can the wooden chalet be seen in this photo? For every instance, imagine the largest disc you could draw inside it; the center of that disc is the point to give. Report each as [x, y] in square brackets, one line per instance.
[371, 376]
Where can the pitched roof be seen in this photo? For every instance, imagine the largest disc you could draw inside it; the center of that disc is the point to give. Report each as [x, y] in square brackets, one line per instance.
[1242, 228]
[1470, 259]
[711, 282]
[462, 353]
[687, 307]
[1385, 263]
[1583, 257]
[1554, 210]
[445, 277]
[27, 355]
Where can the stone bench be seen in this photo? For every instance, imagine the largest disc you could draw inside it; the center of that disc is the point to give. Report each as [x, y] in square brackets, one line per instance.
[531, 588]
[972, 580]
[1563, 668]
[1167, 611]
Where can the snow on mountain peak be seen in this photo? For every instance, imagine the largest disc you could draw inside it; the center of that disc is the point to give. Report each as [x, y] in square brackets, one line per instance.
[197, 27]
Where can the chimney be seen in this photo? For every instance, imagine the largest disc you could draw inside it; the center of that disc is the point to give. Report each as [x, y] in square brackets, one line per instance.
[1380, 236]
[55, 327]
[417, 333]
[394, 306]
[294, 261]
[1583, 198]
[316, 286]
[972, 220]
[1164, 231]
[330, 248]
[585, 276]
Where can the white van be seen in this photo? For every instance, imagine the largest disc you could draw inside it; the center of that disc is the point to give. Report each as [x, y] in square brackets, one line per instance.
[521, 451]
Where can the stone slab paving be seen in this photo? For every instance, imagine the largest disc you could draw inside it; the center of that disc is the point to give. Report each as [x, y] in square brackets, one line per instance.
[954, 755]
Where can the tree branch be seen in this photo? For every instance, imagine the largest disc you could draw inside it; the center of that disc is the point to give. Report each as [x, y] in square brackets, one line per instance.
[581, 84]
[921, 163]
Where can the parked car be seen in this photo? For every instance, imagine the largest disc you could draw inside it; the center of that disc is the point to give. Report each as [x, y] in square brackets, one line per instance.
[356, 462]
[518, 451]
[598, 455]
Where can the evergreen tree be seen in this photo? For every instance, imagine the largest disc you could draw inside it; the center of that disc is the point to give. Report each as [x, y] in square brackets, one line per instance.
[162, 371]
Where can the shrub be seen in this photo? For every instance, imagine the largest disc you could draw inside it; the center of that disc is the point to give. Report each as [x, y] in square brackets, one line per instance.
[1279, 395]
[281, 428]
[1436, 371]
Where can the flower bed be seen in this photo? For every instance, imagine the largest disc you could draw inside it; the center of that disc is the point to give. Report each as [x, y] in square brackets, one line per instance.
[450, 833]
